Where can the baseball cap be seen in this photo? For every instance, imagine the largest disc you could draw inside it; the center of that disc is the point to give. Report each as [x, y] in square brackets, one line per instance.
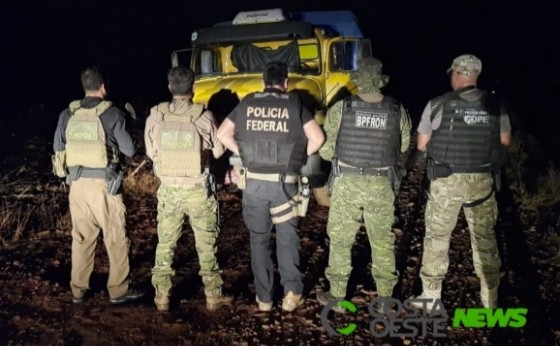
[368, 75]
[466, 64]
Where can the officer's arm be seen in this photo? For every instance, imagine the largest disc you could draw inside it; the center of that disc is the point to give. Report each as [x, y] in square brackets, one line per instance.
[149, 131]
[226, 135]
[406, 127]
[505, 127]
[124, 140]
[422, 141]
[59, 139]
[505, 138]
[426, 127]
[315, 136]
[206, 126]
[331, 126]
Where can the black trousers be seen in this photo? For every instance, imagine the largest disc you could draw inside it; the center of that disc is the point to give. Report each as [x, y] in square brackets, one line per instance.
[258, 198]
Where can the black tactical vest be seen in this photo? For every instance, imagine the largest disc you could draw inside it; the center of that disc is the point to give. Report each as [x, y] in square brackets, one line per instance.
[269, 132]
[468, 133]
[369, 134]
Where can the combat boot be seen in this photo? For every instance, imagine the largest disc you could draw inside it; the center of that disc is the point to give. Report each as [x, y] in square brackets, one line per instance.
[384, 307]
[215, 302]
[427, 300]
[162, 302]
[327, 297]
[488, 296]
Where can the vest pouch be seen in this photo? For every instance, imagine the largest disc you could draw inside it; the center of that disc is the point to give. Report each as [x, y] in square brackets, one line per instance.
[437, 170]
[59, 164]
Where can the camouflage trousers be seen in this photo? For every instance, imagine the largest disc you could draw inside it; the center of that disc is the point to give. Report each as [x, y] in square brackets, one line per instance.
[372, 198]
[447, 197]
[174, 202]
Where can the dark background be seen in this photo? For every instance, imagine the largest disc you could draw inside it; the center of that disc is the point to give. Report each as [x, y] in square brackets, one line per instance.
[46, 44]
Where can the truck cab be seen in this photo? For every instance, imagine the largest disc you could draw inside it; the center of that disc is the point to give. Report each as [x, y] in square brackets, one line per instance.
[320, 48]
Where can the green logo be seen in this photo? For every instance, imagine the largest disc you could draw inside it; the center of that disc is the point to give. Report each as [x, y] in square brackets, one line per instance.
[347, 330]
[484, 317]
[352, 326]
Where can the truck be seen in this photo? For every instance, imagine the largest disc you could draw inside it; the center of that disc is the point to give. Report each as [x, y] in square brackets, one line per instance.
[320, 48]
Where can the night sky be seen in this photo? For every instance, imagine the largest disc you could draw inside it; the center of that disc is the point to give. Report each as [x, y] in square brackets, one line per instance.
[45, 45]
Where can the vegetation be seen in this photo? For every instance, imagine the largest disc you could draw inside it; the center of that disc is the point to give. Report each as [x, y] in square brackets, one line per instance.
[533, 179]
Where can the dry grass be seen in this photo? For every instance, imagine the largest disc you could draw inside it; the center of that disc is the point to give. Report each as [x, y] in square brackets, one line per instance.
[141, 182]
[534, 180]
[14, 219]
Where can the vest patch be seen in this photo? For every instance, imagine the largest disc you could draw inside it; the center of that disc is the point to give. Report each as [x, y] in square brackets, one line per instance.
[476, 117]
[174, 139]
[83, 130]
[267, 126]
[371, 120]
[268, 112]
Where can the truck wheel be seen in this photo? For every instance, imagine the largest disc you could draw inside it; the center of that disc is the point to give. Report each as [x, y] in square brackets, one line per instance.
[322, 196]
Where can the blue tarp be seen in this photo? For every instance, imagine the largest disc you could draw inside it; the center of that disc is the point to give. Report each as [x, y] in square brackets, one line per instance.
[342, 22]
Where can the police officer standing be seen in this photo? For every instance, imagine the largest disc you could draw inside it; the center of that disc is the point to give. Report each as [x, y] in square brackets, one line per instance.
[180, 136]
[365, 135]
[89, 138]
[462, 131]
[273, 133]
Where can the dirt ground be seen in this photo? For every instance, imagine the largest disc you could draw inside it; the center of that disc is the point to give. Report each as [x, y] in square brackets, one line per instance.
[35, 300]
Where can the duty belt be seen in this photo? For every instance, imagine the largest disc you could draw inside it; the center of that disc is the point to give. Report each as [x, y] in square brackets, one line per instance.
[470, 169]
[274, 177]
[364, 171]
[84, 172]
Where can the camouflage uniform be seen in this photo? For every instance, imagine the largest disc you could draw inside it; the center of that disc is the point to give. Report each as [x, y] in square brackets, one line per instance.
[362, 196]
[180, 196]
[448, 196]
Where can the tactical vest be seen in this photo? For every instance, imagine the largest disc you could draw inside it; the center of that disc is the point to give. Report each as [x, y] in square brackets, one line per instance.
[369, 134]
[85, 136]
[270, 134]
[180, 145]
[468, 133]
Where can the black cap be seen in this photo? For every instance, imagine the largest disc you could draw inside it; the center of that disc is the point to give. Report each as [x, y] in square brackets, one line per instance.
[275, 73]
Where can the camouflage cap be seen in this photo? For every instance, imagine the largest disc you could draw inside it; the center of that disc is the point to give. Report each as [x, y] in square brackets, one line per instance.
[368, 76]
[466, 64]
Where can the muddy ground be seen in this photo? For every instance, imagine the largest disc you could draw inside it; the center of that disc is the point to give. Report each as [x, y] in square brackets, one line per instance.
[35, 300]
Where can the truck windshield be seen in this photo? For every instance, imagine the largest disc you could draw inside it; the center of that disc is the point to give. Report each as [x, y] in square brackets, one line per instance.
[300, 57]
[206, 61]
[345, 54]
